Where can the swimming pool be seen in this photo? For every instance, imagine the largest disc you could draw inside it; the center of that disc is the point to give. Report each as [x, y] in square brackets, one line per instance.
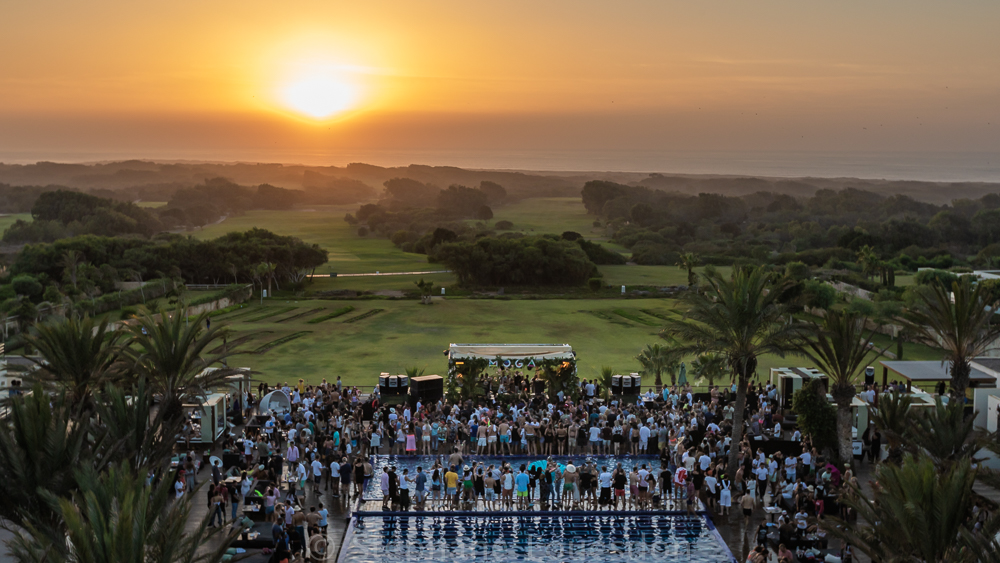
[533, 539]
[379, 462]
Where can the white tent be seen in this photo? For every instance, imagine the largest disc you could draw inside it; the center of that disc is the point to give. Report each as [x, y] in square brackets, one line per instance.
[276, 401]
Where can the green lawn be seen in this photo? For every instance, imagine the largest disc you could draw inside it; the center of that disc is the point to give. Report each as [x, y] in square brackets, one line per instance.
[350, 254]
[325, 225]
[8, 220]
[152, 204]
[381, 283]
[650, 275]
[405, 333]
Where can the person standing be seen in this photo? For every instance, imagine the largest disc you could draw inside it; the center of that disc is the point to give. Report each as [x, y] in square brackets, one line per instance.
[725, 496]
[521, 481]
[875, 453]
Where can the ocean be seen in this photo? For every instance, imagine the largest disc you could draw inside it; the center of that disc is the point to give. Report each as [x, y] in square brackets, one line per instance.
[930, 166]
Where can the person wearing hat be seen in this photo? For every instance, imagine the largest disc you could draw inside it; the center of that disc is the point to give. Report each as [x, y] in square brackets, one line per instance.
[570, 490]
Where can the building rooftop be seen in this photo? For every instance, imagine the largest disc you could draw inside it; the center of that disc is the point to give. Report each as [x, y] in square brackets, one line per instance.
[933, 371]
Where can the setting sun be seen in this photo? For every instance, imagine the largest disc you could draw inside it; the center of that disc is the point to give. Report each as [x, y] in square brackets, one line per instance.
[319, 95]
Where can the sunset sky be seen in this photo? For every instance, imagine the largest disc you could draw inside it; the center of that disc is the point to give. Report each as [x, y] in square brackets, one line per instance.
[170, 77]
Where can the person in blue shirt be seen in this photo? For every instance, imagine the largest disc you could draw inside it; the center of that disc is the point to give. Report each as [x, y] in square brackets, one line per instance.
[420, 487]
[521, 482]
[323, 513]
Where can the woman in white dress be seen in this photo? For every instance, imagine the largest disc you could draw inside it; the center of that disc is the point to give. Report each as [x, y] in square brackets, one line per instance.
[725, 495]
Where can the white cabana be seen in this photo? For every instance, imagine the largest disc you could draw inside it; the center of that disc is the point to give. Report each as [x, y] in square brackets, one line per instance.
[276, 401]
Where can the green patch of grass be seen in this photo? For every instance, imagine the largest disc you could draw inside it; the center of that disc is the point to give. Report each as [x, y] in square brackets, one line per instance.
[246, 310]
[8, 220]
[404, 283]
[299, 315]
[607, 317]
[364, 316]
[231, 345]
[275, 311]
[635, 317]
[279, 341]
[325, 226]
[656, 314]
[407, 334]
[333, 315]
[225, 310]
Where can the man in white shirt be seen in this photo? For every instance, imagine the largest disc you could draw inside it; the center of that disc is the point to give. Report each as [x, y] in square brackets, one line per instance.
[248, 447]
[704, 461]
[317, 469]
[790, 463]
[604, 480]
[335, 478]
[761, 480]
[643, 438]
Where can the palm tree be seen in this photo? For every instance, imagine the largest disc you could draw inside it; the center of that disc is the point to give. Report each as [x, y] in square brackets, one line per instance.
[77, 356]
[656, 359]
[71, 259]
[267, 270]
[41, 446]
[839, 346]
[895, 418]
[957, 321]
[425, 287]
[710, 365]
[688, 261]
[136, 276]
[167, 350]
[915, 514]
[414, 371]
[946, 435]
[740, 318]
[134, 434]
[604, 380]
[867, 258]
[116, 517]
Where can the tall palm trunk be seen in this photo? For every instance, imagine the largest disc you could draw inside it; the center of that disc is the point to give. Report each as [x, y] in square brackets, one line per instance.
[741, 404]
[960, 371]
[843, 397]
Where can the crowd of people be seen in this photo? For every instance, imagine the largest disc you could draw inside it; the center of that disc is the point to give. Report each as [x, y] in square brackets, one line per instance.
[323, 443]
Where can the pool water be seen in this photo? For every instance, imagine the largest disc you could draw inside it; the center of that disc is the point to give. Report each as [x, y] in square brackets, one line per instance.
[534, 539]
[372, 491]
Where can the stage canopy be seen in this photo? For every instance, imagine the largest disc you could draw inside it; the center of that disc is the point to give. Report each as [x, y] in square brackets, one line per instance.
[511, 351]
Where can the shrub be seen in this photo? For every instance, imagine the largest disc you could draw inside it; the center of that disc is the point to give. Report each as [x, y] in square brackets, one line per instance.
[484, 213]
[595, 284]
[927, 277]
[362, 231]
[819, 295]
[504, 225]
[26, 284]
[52, 294]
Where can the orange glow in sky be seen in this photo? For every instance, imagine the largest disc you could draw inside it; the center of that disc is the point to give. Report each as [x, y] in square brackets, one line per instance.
[559, 74]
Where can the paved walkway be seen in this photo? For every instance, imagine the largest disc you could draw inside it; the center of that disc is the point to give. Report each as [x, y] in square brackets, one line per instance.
[379, 274]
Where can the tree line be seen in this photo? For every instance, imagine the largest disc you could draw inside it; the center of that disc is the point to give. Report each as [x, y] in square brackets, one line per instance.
[824, 229]
[89, 265]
